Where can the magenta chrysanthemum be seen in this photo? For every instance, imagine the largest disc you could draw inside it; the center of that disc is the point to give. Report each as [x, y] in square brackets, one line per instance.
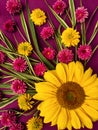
[49, 53]
[47, 32]
[39, 69]
[65, 56]
[18, 86]
[13, 6]
[59, 6]
[84, 52]
[9, 25]
[2, 57]
[8, 118]
[20, 64]
[17, 126]
[81, 14]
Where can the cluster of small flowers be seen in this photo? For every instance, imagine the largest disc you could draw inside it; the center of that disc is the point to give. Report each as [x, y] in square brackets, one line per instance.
[9, 120]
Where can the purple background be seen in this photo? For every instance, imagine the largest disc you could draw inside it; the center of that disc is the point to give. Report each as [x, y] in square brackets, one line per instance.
[90, 4]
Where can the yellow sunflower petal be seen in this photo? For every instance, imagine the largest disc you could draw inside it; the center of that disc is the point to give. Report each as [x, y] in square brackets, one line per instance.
[61, 72]
[66, 71]
[79, 70]
[75, 120]
[45, 87]
[50, 77]
[92, 103]
[92, 92]
[44, 96]
[84, 118]
[91, 112]
[87, 75]
[62, 119]
[89, 80]
[55, 117]
[71, 69]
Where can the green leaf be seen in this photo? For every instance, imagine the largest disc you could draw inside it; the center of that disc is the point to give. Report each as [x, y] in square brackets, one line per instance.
[60, 20]
[6, 41]
[72, 11]
[8, 92]
[24, 25]
[94, 33]
[5, 85]
[8, 101]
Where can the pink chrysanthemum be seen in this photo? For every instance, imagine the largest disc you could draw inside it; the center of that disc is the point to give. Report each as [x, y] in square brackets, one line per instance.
[8, 118]
[13, 6]
[18, 86]
[39, 69]
[49, 53]
[20, 64]
[2, 57]
[81, 14]
[59, 6]
[65, 56]
[9, 25]
[47, 32]
[84, 52]
[16, 126]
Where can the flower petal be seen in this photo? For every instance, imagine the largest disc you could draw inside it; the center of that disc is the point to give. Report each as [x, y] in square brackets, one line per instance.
[44, 96]
[79, 70]
[87, 75]
[91, 112]
[92, 103]
[50, 77]
[62, 119]
[75, 120]
[84, 118]
[61, 72]
[45, 87]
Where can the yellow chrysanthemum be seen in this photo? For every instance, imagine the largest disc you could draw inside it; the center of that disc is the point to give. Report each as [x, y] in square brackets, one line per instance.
[25, 48]
[38, 16]
[69, 96]
[25, 102]
[70, 37]
[35, 123]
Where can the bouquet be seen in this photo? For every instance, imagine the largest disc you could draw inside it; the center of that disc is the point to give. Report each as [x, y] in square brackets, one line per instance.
[51, 81]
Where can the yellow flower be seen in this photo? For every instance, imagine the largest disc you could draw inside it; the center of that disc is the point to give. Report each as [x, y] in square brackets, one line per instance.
[70, 37]
[25, 102]
[69, 96]
[35, 123]
[38, 16]
[25, 48]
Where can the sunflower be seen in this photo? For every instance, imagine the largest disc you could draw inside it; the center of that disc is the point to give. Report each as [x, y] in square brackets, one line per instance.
[69, 96]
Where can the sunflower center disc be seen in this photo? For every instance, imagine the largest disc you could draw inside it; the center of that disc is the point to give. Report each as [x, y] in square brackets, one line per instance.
[70, 95]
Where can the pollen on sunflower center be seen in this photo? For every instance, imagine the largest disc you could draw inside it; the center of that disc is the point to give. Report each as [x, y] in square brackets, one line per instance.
[70, 95]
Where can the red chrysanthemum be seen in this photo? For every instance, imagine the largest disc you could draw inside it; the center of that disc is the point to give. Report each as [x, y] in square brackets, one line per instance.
[65, 56]
[47, 32]
[18, 86]
[59, 6]
[13, 6]
[8, 118]
[9, 25]
[49, 53]
[81, 14]
[20, 64]
[84, 52]
[39, 69]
